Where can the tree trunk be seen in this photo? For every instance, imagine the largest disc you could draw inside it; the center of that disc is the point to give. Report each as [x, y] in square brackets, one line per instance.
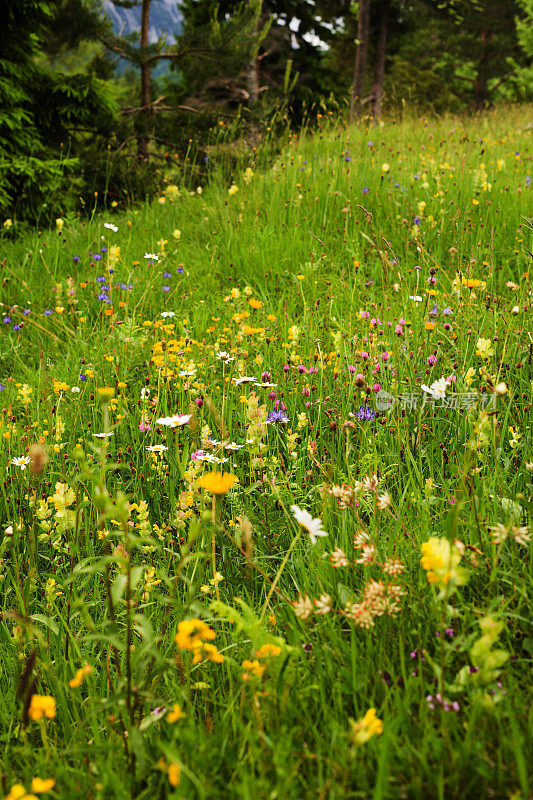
[252, 80]
[381, 54]
[145, 116]
[363, 28]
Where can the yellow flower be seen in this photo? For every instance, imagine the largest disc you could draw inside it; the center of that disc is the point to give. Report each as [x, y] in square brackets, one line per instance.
[365, 728]
[41, 785]
[255, 303]
[106, 393]
[18, 791]
[205, 650]
[385, 167]
[176, 234]
[475, 202]
[233, 189]
[42, 706]
[59, 224]
[192, 632]
[473, 283]
[173, 772]
[268, 651]
[470, 375]
[176, 714]
[441, 562]
[217, 482]
[253, 668]
[484, 348]
[80, 675]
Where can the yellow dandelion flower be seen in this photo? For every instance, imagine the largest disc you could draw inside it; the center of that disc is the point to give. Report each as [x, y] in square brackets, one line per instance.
[217, 482]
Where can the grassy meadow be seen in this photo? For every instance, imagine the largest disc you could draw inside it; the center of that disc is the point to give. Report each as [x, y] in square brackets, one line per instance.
[243, 552]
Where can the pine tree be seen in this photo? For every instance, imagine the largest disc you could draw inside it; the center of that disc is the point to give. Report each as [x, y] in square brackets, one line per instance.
[44, 114]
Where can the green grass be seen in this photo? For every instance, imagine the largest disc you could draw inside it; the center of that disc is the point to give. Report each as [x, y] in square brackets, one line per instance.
[89, 580]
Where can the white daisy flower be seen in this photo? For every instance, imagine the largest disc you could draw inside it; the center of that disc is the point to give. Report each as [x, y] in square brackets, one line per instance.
[176, 421]
[110, 226]
[243, 379]
[21, 462]
[103, 435]
[233, 446]
[312, 526]
[166, 314]
[151, 257]
[156, 448]
[416, 298]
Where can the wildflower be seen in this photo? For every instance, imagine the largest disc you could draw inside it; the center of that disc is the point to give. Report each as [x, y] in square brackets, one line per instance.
[103, 435]
[42, 706]
[360, 614]
[323, 604]
[303, 607]
[176, 234]
[208, 651]
[253, 667]
[312, 526]
[441, 562]
[473, 283]
[192, 631]
[268, 651]
[151, 257]
[77, 681]
[370, 483]
[217, 482]
[173, 772]
[366, 414]
[110, 226]
[176, 714]
[393, 566]
[278, 416]
[338, 558]
[365, 728]
[21, 462]
[42, 785]
[520, 534]
[176, 421]
[243, 379]
[156, 448]
[233, 189]
[385, 167]
[384, 501]
[484, 348]
[437, 390]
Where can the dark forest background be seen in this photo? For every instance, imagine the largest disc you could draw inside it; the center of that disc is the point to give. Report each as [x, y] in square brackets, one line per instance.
[96, 112]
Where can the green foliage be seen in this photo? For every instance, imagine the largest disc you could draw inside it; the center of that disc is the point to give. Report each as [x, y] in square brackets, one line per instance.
[46, 116]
